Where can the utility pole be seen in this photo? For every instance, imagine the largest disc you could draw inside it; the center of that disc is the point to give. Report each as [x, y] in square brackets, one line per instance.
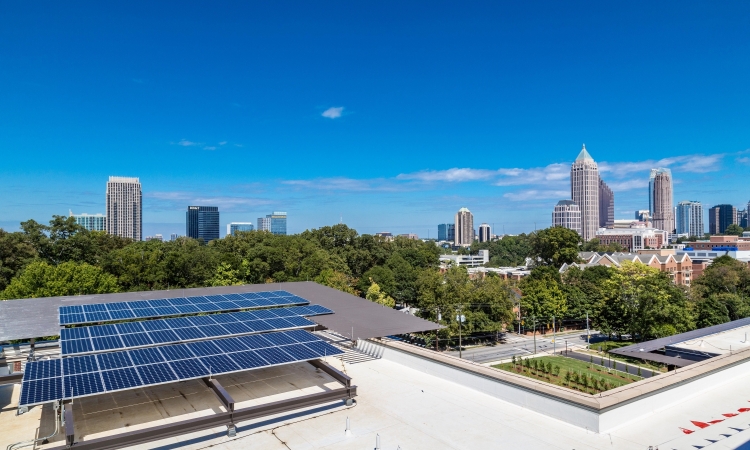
[460, 326]
[588, 339]
[534, 319]
[554, 335]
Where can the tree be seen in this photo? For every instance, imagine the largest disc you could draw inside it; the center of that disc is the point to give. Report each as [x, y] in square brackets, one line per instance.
[15, 254]
[375, 295]
[337, 280]
[542, 297]
[507, 252]
[555, 246]
[594, 245]
[40, 279]
[734, 230]
[711, 311]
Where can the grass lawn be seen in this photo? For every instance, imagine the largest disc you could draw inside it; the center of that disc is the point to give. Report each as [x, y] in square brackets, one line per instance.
[586, 377]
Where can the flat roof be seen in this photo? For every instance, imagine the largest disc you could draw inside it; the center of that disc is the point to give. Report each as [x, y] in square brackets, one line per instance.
[38, 317]
[718, 344]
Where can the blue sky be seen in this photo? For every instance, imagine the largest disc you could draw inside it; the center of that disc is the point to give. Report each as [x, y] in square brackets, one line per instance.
[392, 115]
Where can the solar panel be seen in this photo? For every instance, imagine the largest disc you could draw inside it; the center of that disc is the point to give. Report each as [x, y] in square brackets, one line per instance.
[94, 374]
[214, 330]
[107, 343]
[200, 320]
[115, 380]
[105, 312]
[74, 333]
[129, 327]
[153, 325]
[76, 346]
[156, 373]
[237, 328]
[42, 369]
[136, 340]
[103, 330]
[163, 336]
[187, 334]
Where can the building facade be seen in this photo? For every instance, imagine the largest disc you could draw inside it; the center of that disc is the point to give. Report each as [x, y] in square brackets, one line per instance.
[274, 223]
[584, 191]
[485, 233]
[202, 222]
[720, 217]
[690, 218]
[606, 206]
[447, 232]
[643, 215]
[234, 227]
[660, 199]
[567, 215]
[679, 267]
[481, 258]
[124, 204]
[91, 222]
[464, 226]
[634, 239]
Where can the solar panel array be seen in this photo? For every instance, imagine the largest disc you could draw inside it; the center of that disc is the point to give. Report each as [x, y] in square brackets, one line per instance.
[142, 309]
[109, 337]
[80, 376]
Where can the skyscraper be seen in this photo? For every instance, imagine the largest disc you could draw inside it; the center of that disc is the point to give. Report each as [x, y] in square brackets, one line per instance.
[660, 201]
[643, 215]
[124, 207]
[567, 215]
[464, 225]
[275, 223]
[584, 190]
[690, 218]
[446, 232]
[234, 227]
[485, 233]
[202, 222]
[95, 222]
[606, 206]
[720, 217]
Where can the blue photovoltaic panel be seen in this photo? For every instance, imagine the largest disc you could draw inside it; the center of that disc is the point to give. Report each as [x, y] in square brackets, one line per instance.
[156, 373]
[159, 303]
[76, 309]
[121, 379]
[136, 340]
[122, 314]
[230, 345]
[102, 330]
[163, 336]
[96, 307]
[146, 356]
[79, 364]
[42, 369]
[114, 360]
[214, 330]
[186, 369]
[317, 309]
[41, 391]
[237, 328]
[91, 375]
[175, 352]
[274, 355]
[187, 334]
[77, 346]
[221, 318]
[219, 364]
[300, 322]
[74, 333]
[104, 312]
[279, 324]
[260, 325]
[153, 325]
[178, 301]
[107, 343]
[129, 327]
[200, 320]
[181, 322]
[82, 384]
[263, 314]
[248, 359]
[204, 348]
[117, 306]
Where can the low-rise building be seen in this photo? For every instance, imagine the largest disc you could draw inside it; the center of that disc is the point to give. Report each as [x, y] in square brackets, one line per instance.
[635, 238]
[481, 258]
[679, 267]
[506, 273]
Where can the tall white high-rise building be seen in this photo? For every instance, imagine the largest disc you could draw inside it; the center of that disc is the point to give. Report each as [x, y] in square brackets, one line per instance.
[485, 233]
[567, 215]
[124, 208]
[464, 222]
[690, 218]
[660, 199]
[584, 190]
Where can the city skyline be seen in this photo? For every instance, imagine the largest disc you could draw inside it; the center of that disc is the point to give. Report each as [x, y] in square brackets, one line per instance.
[400, 95]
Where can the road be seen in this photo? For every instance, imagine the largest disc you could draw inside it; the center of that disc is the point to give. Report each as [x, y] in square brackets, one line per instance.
[519, 345]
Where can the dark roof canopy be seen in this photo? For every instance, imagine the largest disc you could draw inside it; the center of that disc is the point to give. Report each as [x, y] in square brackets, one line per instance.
[38, 317]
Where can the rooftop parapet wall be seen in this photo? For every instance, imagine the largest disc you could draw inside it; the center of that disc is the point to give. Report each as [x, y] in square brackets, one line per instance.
[600, 413]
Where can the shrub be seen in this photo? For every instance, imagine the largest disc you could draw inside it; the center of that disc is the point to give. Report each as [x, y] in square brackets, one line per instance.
[556, 370]
[548, 368]
[513, 360]
[639, 371]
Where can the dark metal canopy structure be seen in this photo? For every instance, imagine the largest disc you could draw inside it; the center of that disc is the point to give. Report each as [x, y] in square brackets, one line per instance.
[354, 317]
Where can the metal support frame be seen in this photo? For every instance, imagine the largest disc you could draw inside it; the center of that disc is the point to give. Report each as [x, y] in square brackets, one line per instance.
[221, 393]
[341, 377]
[69, 425]
[227, 419]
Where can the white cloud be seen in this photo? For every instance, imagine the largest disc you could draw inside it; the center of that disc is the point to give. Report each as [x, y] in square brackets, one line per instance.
[223, 143]
[186, 143]
[744, 160]
[344, 184]
[209, 147]
[333, 112]
[536, 194]
[450, 175]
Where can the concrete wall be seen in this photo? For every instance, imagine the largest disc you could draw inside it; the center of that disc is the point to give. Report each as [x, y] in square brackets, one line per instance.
[597, 421]
[549, 406]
